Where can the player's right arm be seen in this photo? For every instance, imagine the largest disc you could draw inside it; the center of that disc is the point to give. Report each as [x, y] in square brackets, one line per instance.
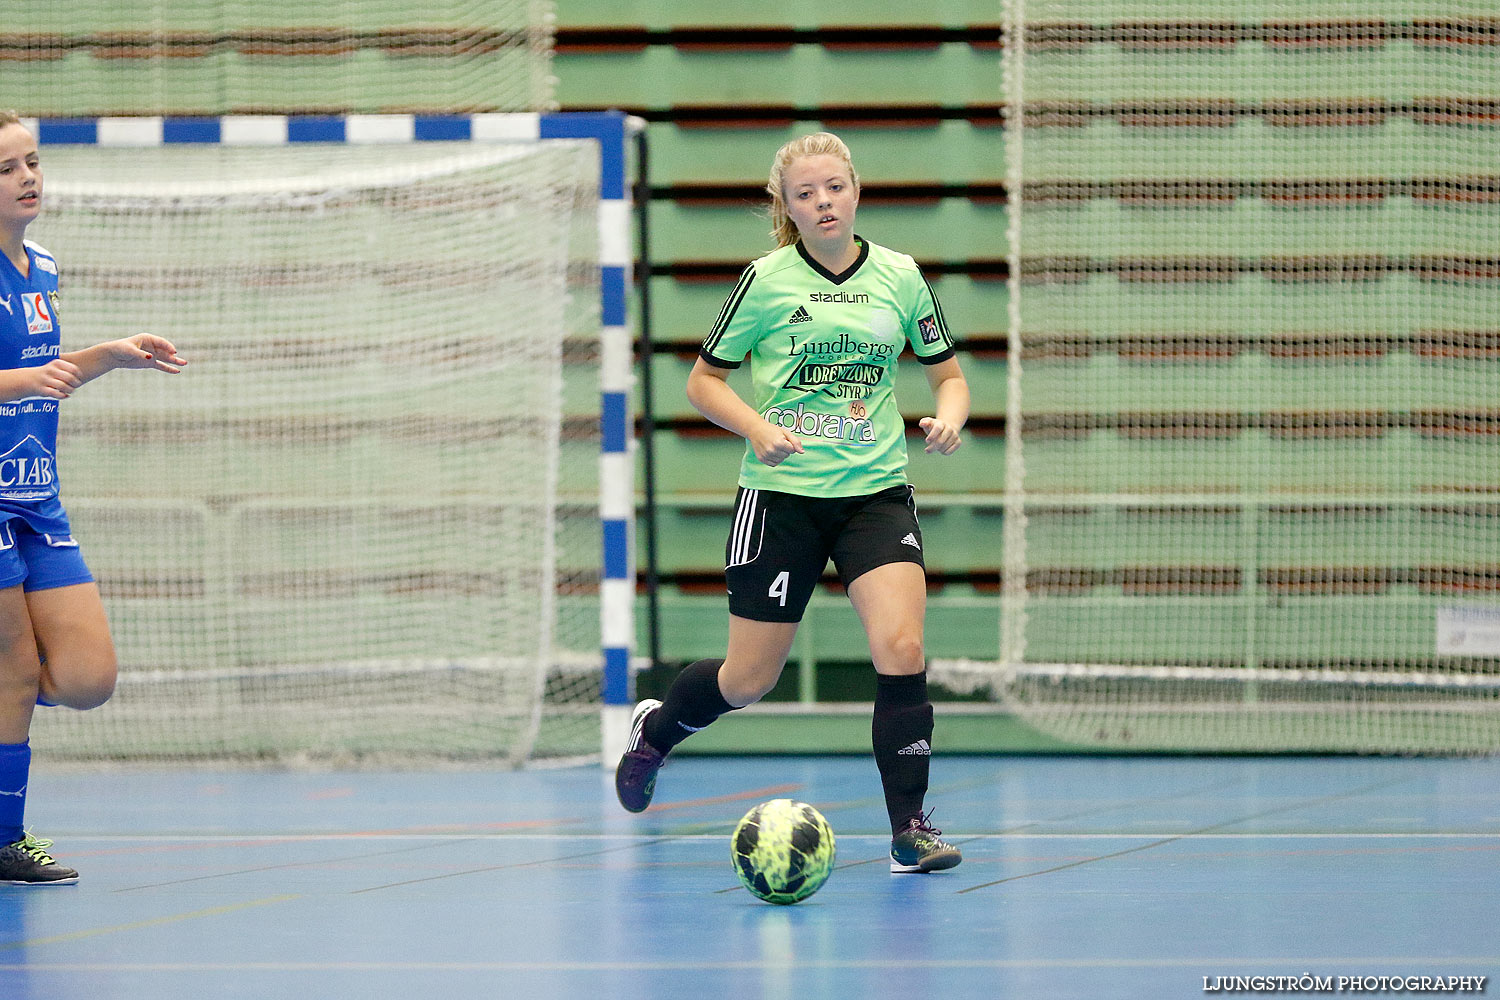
[733, 336]
[709, 391]
[56, 380]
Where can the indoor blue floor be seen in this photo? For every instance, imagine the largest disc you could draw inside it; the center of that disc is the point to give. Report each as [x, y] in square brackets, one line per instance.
[1088, 877]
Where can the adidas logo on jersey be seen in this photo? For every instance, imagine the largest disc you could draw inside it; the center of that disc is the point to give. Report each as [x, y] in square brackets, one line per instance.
[911, 539]
[921, 748]
[800, 316]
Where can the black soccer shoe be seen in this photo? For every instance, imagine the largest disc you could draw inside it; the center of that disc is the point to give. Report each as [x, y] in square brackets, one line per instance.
[635, 775]
[26, 862]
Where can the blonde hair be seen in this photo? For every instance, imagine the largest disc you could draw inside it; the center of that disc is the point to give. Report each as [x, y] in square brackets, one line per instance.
[783, 229]
[9, 117]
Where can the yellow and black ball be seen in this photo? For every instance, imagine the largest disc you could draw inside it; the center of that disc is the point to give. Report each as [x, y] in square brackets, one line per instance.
[783, 851]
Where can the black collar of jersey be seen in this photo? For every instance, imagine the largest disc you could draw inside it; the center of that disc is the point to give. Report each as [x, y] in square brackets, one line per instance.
[837, 279]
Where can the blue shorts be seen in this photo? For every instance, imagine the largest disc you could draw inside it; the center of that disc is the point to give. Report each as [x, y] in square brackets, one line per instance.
[40, 561]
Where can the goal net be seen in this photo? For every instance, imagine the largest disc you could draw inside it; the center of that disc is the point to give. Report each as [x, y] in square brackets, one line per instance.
[363, 524]
[212, 57]
[1253, 465]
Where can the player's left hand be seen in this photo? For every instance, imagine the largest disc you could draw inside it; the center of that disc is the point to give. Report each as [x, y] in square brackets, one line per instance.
[147, 350]
[942, 437]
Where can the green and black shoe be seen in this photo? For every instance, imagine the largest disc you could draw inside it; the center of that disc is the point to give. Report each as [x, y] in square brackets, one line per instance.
[920, 848]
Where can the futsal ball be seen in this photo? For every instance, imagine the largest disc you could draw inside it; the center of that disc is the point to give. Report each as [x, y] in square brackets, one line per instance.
[782, 851]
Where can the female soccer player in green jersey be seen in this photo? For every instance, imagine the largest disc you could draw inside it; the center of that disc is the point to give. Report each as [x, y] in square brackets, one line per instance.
[823, 319]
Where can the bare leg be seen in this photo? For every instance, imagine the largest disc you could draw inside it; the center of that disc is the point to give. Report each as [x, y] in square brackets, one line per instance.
[73, 635]
[757, 654]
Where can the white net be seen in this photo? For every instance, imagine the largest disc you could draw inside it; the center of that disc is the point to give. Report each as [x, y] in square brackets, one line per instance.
[211, 57]
[1253, 485]
[363, 523]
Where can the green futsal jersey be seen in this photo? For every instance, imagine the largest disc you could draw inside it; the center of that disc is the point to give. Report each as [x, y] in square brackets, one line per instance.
[823, 351]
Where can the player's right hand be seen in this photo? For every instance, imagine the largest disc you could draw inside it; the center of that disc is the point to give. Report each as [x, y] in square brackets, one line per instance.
[774, 445]
[56, 379]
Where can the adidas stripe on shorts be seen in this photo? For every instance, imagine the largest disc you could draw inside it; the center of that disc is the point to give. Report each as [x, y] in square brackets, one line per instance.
[780, 543]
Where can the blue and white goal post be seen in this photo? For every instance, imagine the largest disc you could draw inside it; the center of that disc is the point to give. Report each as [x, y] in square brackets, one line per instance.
[611, 689]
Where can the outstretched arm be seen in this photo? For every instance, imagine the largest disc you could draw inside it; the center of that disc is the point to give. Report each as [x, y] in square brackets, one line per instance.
[951, 393]
[144, 350]
[711, 395]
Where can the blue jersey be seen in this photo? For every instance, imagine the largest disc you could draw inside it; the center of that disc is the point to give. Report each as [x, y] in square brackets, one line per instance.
[30, 337]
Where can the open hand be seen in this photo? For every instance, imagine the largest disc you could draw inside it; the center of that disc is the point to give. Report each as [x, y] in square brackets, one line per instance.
[146, 350]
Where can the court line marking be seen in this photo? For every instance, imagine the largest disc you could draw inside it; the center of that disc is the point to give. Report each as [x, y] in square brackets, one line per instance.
[310, 862]
[242, 840]
[1301, 962]
[517, 864]
[460, 828]
[427, 844]
[213, 911]
[773, 791]
[1157, 840]
[626, 841]
[945, 791]
[1288, 807]
[1093, 809]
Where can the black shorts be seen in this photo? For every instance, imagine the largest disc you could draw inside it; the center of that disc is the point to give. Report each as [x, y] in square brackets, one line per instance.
[780, 543]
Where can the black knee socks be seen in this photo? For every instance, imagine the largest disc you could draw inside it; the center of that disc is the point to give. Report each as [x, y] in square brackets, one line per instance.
[901, 734]
[692, 702]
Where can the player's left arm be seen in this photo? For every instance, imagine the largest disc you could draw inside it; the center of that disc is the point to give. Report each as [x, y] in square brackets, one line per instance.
[950, 391]
[143, 350]
[927, 332]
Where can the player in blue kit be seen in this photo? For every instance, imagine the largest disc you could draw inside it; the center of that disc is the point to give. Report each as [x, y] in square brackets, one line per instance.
[822, 319]
[55, 646]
